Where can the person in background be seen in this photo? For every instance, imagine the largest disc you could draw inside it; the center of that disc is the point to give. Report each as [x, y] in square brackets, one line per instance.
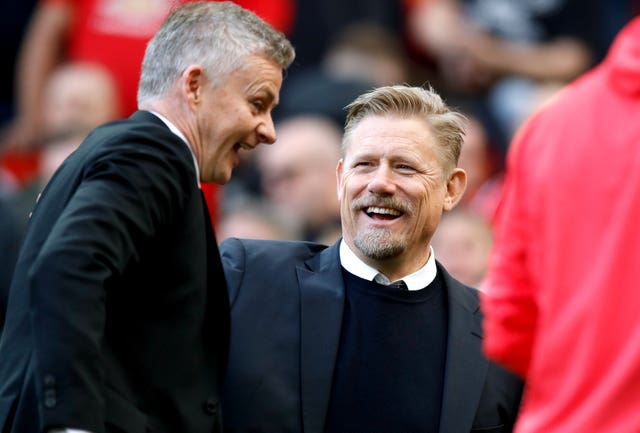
[117, 319]
[257, 219]
[511, 55]
[483, 164]
[561, 295]
[362, 56]
[463, 241]
[88, 31]
[371, 334]
[298, 174]
[78, 98]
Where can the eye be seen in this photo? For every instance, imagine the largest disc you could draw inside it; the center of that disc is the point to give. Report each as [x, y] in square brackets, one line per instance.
[405, 168]
[258, 105]
[362, 164]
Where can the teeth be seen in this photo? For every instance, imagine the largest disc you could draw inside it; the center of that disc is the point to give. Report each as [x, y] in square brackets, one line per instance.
[383, 210]
[245, 146]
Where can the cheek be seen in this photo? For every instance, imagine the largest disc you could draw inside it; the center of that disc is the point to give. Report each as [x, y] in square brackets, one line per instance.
[428, 209]
[429, 197]
[343, 187]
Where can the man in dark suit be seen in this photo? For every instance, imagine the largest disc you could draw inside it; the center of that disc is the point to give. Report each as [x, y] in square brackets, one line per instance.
[117, 318]
[371, 334]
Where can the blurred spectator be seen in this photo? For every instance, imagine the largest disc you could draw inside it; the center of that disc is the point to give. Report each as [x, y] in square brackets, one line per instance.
[367, 52]
[483, 164]
[77, 97]
[317, 24]
[362, 56]
[561, 296]
[256, 219]
[520, 52]
[111, 33]
[462, 242]
[299, 174]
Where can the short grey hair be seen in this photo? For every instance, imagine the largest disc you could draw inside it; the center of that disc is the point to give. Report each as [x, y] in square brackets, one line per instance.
[447, 126]
[216, 35]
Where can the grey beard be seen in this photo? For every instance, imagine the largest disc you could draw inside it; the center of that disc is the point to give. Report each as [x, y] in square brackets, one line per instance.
[378, 244]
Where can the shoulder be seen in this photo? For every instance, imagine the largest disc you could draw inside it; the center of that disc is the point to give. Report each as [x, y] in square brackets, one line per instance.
[468, 296]
[271, 251]
[251, 265]
[142, 131]
[140, 147]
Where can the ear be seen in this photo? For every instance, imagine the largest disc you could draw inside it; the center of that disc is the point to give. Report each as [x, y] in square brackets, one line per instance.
[456, 186]
[339, 178]
[193, 82]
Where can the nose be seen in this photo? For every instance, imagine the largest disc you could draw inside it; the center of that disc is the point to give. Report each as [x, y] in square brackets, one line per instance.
[266, 131]
[381, 182]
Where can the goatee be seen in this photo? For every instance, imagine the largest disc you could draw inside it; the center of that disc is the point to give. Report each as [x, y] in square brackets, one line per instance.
[379, 244]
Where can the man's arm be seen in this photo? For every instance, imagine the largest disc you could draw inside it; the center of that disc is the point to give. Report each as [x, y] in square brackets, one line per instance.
[107, 224]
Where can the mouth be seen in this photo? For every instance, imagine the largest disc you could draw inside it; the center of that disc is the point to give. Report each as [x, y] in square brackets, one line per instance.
[382, 213]
[243, 146]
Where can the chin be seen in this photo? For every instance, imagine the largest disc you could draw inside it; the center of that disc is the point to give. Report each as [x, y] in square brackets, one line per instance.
[221, 178]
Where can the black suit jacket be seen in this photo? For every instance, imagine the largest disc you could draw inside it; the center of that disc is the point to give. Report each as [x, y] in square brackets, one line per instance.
[287, 301]
[118, 311]
[10, 235]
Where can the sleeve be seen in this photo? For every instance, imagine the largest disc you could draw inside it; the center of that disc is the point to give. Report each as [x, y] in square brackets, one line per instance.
[104, 228]
[507, 296]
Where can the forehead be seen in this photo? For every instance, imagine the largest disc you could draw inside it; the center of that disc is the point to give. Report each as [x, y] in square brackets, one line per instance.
[257, 75]
[391, 132]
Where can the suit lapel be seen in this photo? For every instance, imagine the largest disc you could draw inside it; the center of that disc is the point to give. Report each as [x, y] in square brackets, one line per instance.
[465, 368]
[322, 304]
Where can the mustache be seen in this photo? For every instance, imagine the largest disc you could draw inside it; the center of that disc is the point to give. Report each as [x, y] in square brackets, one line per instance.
[388, 202]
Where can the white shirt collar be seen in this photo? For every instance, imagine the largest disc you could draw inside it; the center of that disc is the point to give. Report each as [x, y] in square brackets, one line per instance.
[179, 133]
[415, 281]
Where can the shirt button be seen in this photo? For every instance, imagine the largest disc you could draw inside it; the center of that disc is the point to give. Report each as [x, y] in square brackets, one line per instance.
[49, 380]
[210, 406]
[50, 399]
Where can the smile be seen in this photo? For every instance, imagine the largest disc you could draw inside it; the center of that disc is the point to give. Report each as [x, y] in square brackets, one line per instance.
[243, 146]
[382, 212]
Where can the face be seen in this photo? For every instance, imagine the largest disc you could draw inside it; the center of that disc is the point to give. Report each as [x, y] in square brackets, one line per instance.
[393, 189]
[463, 243]
[235, 116]
[78, 96]
[298, 172]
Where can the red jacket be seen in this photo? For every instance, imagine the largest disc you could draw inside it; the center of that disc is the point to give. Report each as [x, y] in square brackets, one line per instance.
[562, 295]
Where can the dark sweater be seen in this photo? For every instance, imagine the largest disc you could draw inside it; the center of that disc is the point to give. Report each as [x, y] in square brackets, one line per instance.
[390, 368]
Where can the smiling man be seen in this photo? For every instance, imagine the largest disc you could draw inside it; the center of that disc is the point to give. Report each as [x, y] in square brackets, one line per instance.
[371, 334]
[118, 314]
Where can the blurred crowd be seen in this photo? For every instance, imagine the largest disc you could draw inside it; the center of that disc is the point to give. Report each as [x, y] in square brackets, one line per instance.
[73, 64]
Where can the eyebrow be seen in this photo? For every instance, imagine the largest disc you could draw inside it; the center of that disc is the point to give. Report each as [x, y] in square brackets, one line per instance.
[271, 98]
